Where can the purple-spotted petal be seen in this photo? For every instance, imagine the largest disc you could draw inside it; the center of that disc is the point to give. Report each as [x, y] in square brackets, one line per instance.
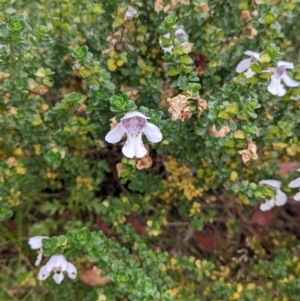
[43, 273]
[243, 65]
[152, 132]
[289, 81]
[71, 270]
[134, 147]
[116, 134]
[295, 183]
[180, 33]
[276, 87]
[57, 262]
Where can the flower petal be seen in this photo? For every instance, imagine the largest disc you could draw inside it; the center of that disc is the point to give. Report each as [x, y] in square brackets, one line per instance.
[252, 53]
[57, 262]
[289, 81]
[267, 205]
[39, 258]
[167, 49]
[179, 33]
[43, 273]
[131, 114]
[297, 196]
[130, 13]
[280, 198]
[272, 183]
[243, 65]
[295, 183]
[58, 277]
[35, 242]
[116, 134]
[152, 132]
[249, 73]
[276, 88]
[71, 270]
[287, 65]
[134, 147]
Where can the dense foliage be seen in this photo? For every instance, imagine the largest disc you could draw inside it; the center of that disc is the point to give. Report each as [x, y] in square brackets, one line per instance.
[200, 216]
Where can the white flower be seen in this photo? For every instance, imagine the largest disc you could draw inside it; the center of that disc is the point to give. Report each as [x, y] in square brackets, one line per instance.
[181, 39]
[279, 73]
[296, 184]
[279, 199]
[246, 63]
[36, 243]
[58, 264]
[131, 13]
[134, 124]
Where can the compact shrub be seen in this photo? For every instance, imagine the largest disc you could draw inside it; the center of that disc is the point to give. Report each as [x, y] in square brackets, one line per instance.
[149, 150]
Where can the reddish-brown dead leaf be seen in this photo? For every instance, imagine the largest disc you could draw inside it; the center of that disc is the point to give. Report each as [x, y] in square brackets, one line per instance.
[92, 277]
[136, 224]
[288, 167]
[261, 218]
[208, 242]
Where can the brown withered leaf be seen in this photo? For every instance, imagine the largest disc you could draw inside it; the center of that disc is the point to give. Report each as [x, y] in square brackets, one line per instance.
[92, 277]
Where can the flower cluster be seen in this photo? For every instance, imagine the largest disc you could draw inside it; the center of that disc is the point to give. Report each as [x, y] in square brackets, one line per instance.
[279, 73]
[57, 263]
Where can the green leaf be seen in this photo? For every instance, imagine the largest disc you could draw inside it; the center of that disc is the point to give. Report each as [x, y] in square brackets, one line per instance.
[177, 50]
[80, 52]
[232, 108]
[224, 115]
[232, 125]
[264, 58]
[269, 19]
[239, 134]
[185, 59]
[85, 72]
[5, 212]
[173, 71]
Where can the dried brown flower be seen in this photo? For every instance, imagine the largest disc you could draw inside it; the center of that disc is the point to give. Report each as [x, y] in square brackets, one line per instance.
[82, 108]
[11, 162]
[119, 169]
[202, 105]
[249, 32]
[221, 133]
[246, 16]
[236, 40]
[249, 153]
[158, 5]
[113, 123]
[179, 107]
[144, 163]
[204, 8]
